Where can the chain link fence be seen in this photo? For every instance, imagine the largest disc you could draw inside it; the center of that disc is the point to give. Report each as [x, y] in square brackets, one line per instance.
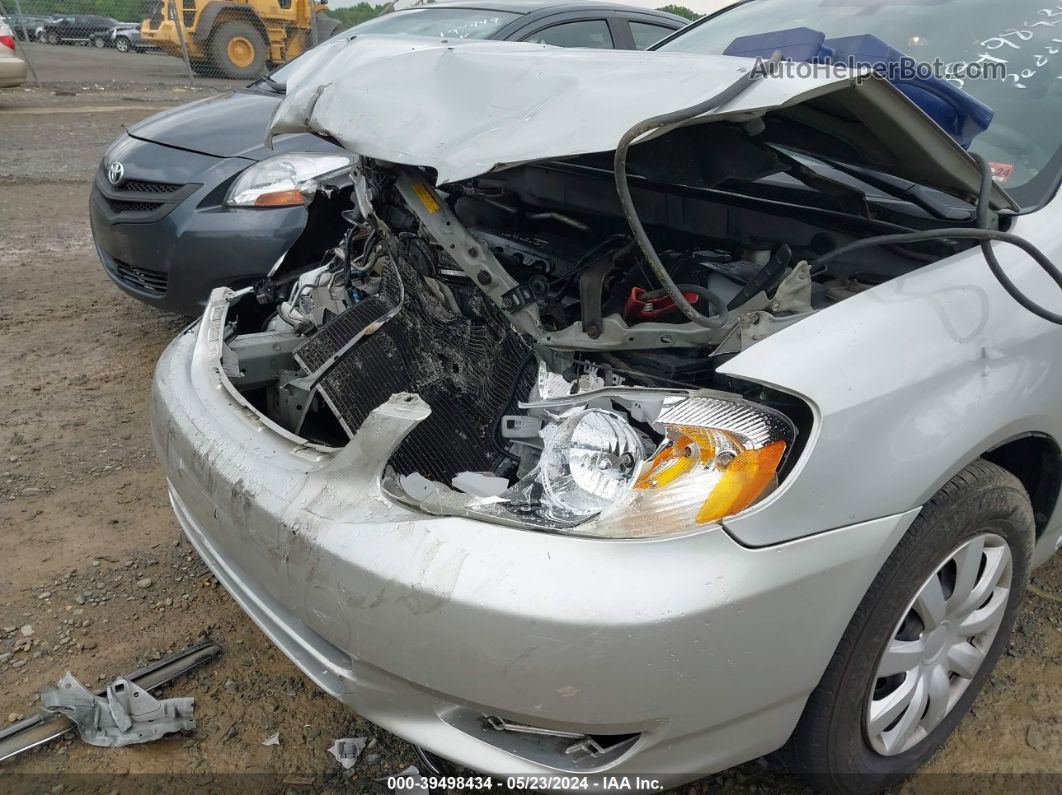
[206, 43]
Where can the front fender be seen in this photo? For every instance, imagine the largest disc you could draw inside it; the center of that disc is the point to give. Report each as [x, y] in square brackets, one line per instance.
[909, 382]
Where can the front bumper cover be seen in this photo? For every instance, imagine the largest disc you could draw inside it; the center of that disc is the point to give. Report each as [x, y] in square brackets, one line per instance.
[704, 648]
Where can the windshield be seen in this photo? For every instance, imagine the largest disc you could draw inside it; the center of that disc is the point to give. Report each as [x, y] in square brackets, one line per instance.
[1021, 39]
[444, 23]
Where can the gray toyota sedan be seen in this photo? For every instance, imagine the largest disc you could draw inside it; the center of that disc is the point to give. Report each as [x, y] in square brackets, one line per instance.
[192, 199]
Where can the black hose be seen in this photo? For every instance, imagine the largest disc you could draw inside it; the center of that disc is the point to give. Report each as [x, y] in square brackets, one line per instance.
[627, 202]
[986, 237]
[993, 263]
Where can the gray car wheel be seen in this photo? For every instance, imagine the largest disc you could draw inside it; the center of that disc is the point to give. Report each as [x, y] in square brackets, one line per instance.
[924, 639]
[122, 44]
[99, 42]
[940, 644]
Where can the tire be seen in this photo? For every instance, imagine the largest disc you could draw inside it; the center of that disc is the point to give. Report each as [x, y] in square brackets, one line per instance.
[835, 746]
[202, 67]
[238, 50]
[98, 42]
[122, 44]
[52, 38]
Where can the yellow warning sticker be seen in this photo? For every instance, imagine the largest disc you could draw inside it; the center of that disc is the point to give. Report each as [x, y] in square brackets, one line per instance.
[425, 197]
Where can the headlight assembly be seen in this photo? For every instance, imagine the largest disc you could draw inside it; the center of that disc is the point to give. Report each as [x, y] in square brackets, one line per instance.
[285, 180]
[601, 476]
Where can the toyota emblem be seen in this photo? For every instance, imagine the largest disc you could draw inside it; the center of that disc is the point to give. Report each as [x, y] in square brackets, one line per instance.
[116, 173]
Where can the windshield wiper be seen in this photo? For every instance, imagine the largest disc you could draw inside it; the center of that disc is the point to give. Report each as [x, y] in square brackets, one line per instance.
[850, 198]
[272, 85]
[928, 199]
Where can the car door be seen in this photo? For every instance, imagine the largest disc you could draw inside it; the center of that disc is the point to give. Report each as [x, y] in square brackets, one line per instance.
[65, 27]
[81, 27]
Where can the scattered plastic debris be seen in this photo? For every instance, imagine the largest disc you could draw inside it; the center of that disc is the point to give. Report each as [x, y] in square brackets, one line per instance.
[127, 715]
[479, 484]
[347, 750]
[417, 486]
[273, 739]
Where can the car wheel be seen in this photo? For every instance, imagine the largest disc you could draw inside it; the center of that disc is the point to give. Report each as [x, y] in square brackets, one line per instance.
[122, 44]
[98, 42]
[202, 67]
[238, 50]
[53, 38]
[924, 639]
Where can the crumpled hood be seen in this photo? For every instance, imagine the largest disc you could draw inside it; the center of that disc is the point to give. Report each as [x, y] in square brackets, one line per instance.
[465, 110]
[227, 125]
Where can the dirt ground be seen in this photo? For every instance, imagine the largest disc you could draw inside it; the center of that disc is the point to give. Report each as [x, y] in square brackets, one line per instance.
[96, 579]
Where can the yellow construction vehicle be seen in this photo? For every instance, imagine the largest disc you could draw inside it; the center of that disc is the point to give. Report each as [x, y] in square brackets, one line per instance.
[237, 38]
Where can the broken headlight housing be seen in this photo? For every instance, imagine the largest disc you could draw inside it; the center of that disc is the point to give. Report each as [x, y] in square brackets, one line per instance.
[599, 475]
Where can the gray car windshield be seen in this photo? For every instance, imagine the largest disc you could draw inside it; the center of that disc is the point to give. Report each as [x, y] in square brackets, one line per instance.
[1017, 47]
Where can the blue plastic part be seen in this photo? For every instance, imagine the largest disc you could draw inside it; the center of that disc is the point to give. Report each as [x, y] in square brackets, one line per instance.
[795, 44]
[959, 114]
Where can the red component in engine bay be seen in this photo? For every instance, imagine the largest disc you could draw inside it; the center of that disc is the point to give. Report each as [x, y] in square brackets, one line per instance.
[645, 305]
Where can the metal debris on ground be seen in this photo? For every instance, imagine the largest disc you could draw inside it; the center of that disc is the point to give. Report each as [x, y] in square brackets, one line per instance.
[347, 750]
[44, 727]
[128, 714]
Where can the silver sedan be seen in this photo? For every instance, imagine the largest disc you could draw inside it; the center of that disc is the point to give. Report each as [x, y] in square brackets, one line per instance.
[614, 422]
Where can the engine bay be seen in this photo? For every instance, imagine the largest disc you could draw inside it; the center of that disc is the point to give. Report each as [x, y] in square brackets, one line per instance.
[520, 309]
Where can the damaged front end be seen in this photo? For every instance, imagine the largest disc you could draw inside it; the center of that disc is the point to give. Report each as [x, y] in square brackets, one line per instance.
[564, 394]
[573, 369]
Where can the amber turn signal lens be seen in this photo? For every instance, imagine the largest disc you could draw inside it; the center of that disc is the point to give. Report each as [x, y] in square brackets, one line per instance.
[285, 198]
[743, 481]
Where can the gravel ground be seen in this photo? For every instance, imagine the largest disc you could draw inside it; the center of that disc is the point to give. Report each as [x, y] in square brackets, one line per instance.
[97, 581]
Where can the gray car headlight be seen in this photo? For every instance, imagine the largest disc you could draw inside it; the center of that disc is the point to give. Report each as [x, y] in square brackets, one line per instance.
[599, 476]
[285, 180]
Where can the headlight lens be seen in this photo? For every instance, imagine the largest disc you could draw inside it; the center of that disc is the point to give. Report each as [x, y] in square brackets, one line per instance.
[599, 476]
[285, 180]
[590, 461]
